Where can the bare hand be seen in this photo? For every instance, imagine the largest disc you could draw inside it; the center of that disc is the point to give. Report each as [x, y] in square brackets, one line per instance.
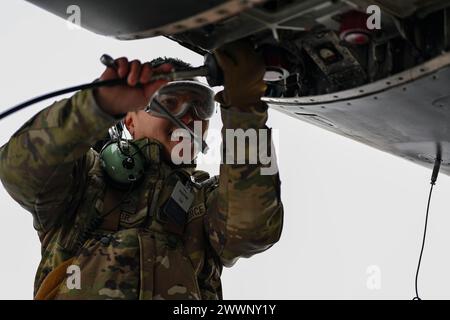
[121, 99]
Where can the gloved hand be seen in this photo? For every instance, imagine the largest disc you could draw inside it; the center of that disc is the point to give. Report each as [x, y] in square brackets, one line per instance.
[243, 71]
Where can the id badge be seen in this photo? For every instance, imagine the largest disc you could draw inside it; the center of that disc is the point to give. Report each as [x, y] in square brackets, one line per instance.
[183, 196]
[174, 211]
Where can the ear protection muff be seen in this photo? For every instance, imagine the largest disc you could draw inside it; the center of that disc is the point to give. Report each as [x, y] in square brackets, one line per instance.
[123, 162]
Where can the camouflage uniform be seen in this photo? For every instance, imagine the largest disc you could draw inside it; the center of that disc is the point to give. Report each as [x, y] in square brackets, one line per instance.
[50, 169]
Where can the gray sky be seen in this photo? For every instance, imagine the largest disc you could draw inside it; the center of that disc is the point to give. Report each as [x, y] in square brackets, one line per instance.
[348, 208]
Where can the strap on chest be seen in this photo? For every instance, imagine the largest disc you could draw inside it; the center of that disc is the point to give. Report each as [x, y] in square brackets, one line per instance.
[112, 202]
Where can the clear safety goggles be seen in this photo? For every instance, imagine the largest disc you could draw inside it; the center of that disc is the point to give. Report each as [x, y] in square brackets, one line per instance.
[179, 97]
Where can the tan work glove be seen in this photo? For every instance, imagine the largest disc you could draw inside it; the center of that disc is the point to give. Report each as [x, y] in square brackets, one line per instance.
[243, 71]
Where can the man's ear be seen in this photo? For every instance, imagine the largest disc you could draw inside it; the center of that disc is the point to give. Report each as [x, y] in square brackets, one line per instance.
[130, 123]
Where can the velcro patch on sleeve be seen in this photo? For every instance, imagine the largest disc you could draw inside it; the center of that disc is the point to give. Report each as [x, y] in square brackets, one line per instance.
[196, 211]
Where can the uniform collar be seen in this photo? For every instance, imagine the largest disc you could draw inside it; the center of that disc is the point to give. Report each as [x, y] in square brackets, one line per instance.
[152, 151]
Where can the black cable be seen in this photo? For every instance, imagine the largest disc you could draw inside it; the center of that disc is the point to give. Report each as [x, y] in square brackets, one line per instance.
[140, 149]
[91, 85]
[97, 84]
[437, 165]
[98, 220]
[423, 244]
[130, 189]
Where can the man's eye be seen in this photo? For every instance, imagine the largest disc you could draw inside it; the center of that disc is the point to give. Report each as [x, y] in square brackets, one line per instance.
[170, 103]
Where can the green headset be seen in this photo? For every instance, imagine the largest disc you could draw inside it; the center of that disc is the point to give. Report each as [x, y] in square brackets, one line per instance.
[122, 160]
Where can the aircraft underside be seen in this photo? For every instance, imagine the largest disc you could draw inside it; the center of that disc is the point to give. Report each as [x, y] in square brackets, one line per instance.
[374, 71]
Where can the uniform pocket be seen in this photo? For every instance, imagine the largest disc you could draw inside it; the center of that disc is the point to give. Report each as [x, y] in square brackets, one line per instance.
[108, 268]
[175, 277]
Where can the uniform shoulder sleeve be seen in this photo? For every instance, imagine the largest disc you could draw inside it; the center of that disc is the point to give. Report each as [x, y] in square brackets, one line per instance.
[44, 164]
[244, 210]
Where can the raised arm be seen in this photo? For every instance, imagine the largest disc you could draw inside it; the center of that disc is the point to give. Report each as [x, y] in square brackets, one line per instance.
[244, 213]
[44, 164]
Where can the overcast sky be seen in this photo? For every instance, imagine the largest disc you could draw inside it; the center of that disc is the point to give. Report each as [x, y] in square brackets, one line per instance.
[352, 213]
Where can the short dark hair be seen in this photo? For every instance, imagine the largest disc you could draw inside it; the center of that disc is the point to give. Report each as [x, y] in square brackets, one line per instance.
[175, 62]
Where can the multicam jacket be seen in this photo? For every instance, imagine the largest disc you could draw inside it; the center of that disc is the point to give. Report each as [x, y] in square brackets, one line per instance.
[134, 251]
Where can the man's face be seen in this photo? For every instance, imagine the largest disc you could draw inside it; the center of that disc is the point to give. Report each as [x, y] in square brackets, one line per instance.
[145, 125]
